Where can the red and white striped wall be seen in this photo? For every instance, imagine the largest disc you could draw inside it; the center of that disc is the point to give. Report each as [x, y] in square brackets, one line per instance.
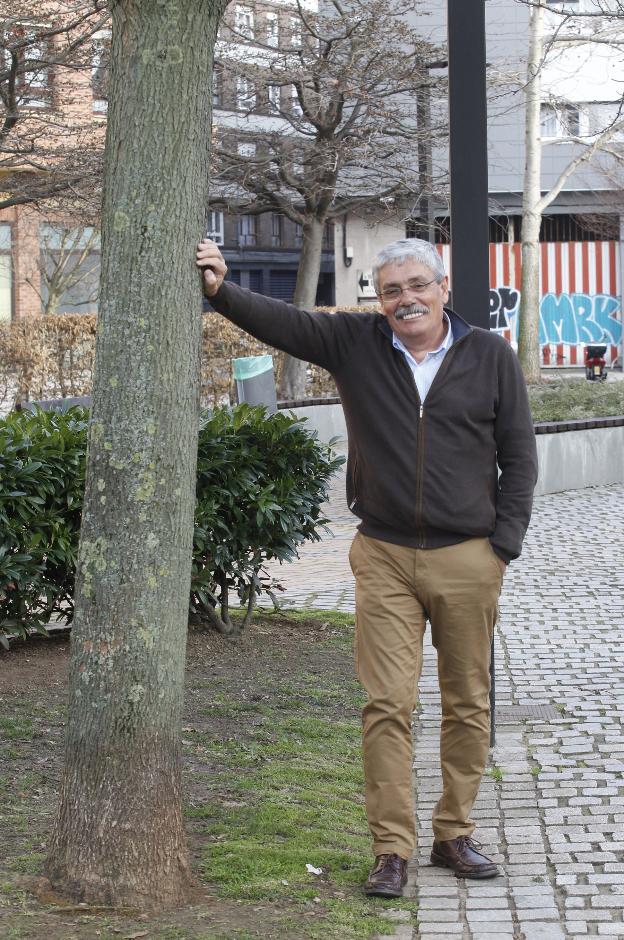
[585, 272]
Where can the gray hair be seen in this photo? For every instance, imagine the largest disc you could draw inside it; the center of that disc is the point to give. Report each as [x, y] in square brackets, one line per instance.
[405, 248]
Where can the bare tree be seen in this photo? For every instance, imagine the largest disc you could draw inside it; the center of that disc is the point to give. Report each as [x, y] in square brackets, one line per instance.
[534, 201]
[68, 264]
[119, 835]
[340, 131]
[50, 146]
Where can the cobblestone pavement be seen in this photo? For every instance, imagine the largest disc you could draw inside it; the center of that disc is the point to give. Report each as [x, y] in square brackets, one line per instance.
[551, 806]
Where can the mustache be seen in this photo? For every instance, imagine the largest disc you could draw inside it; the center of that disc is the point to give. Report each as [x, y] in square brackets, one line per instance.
[403, 312]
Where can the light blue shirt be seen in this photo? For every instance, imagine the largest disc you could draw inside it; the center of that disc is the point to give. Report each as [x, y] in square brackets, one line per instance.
[425, 372]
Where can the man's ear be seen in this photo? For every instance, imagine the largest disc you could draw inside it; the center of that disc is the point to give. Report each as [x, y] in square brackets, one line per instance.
[444, 284]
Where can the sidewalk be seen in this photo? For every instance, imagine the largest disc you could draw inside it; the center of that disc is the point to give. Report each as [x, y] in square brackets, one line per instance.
[551, 807]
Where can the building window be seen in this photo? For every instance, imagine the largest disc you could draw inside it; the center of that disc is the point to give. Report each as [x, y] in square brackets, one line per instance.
[24, 57]
[246, 231]
[6, 273]
[215, 227]
[245, 94]
[277, 230]
[217, 85]
[70, 268]
[295, 105]
[298, 235]
[560, 121]
[100, 59]
[245, 149]
[295, 32]
[37, 77]
[244, 22]
[272, 30]
[328, 236]
[275, 97]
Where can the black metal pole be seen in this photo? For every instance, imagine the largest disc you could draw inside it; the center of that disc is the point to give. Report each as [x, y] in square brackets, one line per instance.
[470, 254]
[468, 161]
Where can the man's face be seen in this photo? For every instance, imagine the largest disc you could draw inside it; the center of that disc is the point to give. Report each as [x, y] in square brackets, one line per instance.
[415, 315]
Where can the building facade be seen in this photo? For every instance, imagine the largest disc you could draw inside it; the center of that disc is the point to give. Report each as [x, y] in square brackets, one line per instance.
[582, 230]
[262, 251]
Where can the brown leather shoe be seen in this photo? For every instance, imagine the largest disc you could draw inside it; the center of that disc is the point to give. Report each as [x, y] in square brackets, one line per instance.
[462, 857]
[388, 877]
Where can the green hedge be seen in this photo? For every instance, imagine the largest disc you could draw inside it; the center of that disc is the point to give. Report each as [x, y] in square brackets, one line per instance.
[42, 466]
[260, 485]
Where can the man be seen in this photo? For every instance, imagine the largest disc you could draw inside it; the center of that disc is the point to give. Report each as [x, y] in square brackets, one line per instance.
[432, 405]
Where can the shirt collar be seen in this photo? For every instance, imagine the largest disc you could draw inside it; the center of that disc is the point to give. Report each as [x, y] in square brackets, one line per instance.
[444, 345]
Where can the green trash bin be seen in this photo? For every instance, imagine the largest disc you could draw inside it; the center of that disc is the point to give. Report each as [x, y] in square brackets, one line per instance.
[255, 382]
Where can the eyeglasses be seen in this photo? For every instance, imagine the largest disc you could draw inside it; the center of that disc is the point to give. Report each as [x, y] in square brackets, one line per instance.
[416, 287]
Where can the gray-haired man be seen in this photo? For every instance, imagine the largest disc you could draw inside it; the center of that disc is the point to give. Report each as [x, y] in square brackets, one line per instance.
[432, 405]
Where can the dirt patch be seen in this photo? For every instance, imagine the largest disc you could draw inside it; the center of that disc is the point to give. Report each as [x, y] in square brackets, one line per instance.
[250, 703]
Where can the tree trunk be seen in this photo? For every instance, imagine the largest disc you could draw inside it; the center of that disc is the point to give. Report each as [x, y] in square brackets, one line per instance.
[528, 333]
[293, 371]
[119, 836]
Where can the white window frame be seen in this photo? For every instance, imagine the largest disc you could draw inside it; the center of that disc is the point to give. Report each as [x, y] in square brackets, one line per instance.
[6, 272]
[100, 105]
[555, 121]
[245, 94]
[246, 148]
[272, 30]
[35, 80]
[244, 21]
[247, 230]
[295, 33]
[215, 227]
[275, 96]
[295, 105]
[277, 229]
[217, 85]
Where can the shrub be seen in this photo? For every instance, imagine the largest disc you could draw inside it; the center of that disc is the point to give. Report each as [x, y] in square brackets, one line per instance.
[571, 398]
[260, 484]
[53, 356]
[42, 462]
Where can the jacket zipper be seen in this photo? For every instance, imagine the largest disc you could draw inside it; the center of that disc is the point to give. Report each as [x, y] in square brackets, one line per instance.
[420, 442]
[420, 471]
[355, 495]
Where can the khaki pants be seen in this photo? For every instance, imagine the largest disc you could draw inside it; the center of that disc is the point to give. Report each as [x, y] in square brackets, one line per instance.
[396, 590]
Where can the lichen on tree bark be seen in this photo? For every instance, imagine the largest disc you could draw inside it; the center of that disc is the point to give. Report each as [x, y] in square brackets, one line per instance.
[119, 836]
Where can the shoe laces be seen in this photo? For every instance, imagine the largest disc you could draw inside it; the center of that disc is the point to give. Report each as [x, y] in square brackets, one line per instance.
[470, 842]
[388, 859]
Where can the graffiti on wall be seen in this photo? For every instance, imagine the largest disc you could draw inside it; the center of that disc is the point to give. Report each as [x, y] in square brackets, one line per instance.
[564, 318]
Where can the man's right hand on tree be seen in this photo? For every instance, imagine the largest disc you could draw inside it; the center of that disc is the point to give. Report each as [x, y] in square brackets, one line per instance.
[211, 262]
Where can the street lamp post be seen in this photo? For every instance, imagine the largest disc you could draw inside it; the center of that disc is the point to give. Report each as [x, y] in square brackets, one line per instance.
[470, 253]
[468, 161]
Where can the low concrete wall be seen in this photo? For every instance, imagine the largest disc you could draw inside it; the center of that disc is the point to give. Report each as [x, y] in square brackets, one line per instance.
[568, 460]
[574, 459]
[327, 420]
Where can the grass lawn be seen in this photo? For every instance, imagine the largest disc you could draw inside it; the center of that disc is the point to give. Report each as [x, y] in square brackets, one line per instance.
[273, 783]
[567, 399]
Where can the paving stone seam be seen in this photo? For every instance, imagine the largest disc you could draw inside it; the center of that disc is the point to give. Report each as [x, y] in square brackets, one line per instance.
[550, 867]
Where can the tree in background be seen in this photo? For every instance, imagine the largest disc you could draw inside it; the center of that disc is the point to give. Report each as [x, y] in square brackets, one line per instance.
[119, 836]
[50, 147]
[340, 133]
[68, 267]
[590, 143]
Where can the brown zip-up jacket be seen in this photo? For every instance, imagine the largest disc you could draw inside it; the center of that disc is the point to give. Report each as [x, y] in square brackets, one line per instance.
[418, 474]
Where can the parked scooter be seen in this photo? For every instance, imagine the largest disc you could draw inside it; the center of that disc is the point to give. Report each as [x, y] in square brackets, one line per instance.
[595, 363]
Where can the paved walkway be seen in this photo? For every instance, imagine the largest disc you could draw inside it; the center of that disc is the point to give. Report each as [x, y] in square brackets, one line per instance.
[551, 807]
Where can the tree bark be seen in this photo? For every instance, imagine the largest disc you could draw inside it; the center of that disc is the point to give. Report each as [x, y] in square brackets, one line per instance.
[528, 328]
[293, 371]
[119, 836]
